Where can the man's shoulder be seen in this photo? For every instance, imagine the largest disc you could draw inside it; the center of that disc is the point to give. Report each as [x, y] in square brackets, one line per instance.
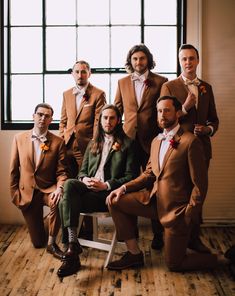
[125, 79]
[94, 89]
[157, 77]
[23, 135]
[174, 82]
[54, 137]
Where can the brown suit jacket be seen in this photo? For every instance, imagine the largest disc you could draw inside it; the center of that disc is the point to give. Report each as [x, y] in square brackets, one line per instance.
[49, 174]
[205, 113]
[140, 121]
[180, 185]
[83, 122]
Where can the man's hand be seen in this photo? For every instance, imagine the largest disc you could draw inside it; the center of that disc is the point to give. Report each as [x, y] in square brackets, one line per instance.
[115, 195]
[190, 101]
[94, 184]
[200, 130]
[56, 196]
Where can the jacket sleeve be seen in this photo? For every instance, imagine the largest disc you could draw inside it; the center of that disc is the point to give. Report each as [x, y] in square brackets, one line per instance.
[63, 118]
[62, 168]
[118, 99]
[101, 101]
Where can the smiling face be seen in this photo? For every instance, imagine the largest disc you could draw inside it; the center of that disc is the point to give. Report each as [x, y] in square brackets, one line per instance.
[139, 62]
[188, 61]
[109, 121]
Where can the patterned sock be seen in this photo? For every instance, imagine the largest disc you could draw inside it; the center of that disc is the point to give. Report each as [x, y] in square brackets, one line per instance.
[72, 234]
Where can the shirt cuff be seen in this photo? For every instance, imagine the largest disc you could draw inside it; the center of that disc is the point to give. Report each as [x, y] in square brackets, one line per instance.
[212, 130]
[108, 186]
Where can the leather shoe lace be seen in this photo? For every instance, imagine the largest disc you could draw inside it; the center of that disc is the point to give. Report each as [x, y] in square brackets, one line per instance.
[127, 260]
[74, 249]
[54, 250]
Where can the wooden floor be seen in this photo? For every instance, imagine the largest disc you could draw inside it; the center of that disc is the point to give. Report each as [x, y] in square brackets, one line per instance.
[28, 271]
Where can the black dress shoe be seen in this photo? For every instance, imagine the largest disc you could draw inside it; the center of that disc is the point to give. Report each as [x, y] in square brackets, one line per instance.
[230, 254]
[198, 246]
[127, 260]
[69, 267]
[74, 249]
[55, 251]
[157, 242]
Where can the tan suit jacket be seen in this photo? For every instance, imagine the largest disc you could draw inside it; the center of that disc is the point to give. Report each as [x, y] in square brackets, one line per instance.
[205, 114]
[83, 122]
[180, 185]
[49, 174]
[140, 121]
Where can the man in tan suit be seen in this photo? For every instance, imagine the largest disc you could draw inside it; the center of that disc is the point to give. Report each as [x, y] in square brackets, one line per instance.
[79, 117]
[177, 171]
[136, 98]
[198, 115]
[37, 174]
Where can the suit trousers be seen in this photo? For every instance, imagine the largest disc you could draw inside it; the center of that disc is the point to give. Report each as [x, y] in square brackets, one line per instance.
[176, 237]
[33, 216]
[78, 198]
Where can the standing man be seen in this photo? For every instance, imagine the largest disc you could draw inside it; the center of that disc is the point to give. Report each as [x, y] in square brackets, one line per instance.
[37, 175]
[136, 98]
[79, 117]
[108, 163]
[198, 115]
[178, 173]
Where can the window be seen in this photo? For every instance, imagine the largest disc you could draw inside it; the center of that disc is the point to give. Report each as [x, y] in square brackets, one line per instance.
[43, 39]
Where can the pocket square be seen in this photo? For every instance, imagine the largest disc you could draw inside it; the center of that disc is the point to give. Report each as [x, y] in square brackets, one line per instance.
[87, 105]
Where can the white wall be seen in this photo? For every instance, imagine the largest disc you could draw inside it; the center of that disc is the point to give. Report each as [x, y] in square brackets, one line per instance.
[207, 28]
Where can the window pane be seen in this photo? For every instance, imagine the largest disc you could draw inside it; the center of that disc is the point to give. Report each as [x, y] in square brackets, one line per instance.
[24, 102]
[26, 50]
[114, 83]
[5, 50]
[125, 12]
[93, 46]
[55, 85]
[127, 37]
[101, 81]
[5, 12]
[163, 49]
[60, 48]
[60, 12]
[160, 12]
[92, 12]
[26, 12]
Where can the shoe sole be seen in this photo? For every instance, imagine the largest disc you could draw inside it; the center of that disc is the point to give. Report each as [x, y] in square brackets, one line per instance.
[141, 264]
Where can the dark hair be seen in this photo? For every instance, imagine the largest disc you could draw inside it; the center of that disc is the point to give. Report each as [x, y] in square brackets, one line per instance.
[189, 46]
[98, 141]
[145, 50]
[44, 105]
[83, 63]
[175, 101]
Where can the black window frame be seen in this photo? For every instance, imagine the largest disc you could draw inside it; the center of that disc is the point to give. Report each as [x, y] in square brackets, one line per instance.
[8, 124]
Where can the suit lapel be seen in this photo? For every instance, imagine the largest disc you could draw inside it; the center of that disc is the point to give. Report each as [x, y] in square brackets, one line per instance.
[43, 153]
[84, 100]
[30, 148]
[132, 96]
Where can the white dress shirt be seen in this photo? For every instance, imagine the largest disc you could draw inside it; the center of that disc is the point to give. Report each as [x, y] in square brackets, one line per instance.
[139, 84]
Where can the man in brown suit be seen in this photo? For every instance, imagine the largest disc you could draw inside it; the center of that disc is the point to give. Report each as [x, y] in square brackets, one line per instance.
[136, 98]
[177, 171]
[37, 175]
[198, 115]
[79, 117]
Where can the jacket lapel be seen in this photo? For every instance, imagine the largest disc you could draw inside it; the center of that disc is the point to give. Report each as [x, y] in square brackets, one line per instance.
[43, 153]
[132, 96]
[30, 148]
[84, 100]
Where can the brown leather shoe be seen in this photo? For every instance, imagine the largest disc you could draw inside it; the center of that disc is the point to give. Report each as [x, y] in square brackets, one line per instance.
[157, 242]
[54, 250]
[127, 260]
[198, 246]
[69, 267]
[74, 249]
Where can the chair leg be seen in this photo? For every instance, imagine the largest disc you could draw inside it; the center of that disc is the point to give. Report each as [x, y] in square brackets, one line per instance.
[112, 249]
[95, 228]
[80, 223]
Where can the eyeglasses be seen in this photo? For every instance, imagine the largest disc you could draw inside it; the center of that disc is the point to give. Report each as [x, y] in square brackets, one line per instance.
[47, 116]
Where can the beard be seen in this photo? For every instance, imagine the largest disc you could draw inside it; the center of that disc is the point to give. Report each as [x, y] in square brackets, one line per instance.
[165, 123]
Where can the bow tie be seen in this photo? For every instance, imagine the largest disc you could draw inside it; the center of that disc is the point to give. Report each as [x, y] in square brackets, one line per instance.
[77, 91]
[163, 136]
[195, 82]
[137, 78]
[40, 138]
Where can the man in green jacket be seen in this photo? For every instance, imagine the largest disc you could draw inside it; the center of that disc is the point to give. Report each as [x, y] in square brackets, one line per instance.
[108, 163]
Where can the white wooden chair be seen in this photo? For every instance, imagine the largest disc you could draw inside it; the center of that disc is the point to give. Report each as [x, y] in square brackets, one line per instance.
[98, 243]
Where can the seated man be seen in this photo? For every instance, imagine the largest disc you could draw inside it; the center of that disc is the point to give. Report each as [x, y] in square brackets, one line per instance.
[177, 170]
[108, 163]
[37, 174]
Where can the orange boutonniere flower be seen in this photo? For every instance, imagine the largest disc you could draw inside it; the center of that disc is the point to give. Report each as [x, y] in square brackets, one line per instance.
[202, 89]
[116, 146]
[44, 147]
[173, 143]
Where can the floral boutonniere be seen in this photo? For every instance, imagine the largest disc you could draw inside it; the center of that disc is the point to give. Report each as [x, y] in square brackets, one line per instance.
[86, 97]
[116, 146]
[173, 143]
[202, 89]
[44, 147]
[147, 83]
